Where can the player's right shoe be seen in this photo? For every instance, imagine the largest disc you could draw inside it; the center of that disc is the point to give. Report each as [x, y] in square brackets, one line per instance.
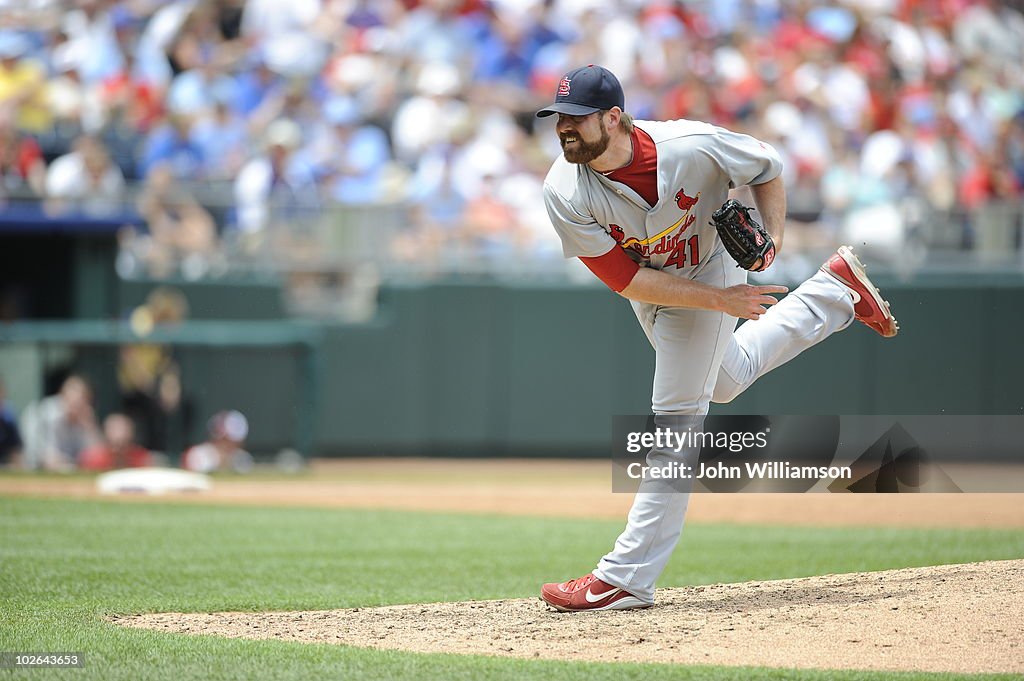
[589, 593]
[868, 305]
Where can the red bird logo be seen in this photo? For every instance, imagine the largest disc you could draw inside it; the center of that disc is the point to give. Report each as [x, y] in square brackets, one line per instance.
[619, 235]
[685, 202]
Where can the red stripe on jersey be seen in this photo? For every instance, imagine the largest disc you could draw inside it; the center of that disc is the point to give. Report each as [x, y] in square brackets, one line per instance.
[614, 268]
[641, 175]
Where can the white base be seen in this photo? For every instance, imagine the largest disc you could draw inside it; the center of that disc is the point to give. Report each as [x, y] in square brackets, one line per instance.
[152, 481]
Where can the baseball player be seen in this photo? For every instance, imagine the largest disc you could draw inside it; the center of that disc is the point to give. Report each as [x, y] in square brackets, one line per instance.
[643, 204]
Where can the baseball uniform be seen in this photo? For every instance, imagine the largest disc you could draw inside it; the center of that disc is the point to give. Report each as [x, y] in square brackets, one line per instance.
[699, 357]
[655, 206]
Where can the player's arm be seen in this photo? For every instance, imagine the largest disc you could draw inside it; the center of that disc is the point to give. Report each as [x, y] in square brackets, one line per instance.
[770, 200]
[618, 271]
[660, 288]
[746, 161]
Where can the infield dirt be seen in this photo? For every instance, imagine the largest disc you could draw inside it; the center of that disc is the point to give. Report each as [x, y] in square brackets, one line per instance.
[952, 618]
[553, 488]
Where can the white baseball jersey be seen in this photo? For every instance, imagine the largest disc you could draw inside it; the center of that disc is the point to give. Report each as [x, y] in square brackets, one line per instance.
[698, 164]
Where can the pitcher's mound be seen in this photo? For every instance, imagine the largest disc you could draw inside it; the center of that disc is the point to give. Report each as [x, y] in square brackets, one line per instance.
[950, 618]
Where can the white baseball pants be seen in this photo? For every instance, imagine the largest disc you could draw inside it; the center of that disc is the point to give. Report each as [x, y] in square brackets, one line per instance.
[701, 358]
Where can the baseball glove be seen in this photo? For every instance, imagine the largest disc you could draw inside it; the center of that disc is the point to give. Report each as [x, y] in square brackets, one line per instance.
[745, 239]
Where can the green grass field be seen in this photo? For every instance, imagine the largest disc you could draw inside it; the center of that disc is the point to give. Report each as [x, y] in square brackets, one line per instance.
[65, 564]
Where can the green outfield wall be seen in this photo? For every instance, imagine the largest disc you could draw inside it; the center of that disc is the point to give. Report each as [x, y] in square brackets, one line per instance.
[520, 370]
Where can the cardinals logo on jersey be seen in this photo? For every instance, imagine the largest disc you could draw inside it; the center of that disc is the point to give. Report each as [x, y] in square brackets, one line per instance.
[685, 202]
[632, 243]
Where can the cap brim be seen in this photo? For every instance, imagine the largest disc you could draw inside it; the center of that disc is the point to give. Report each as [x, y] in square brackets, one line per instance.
[568, 109]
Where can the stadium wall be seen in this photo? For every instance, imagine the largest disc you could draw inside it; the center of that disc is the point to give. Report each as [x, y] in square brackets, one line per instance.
[518, 370]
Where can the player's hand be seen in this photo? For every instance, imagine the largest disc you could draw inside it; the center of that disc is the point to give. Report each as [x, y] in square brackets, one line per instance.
[749, 302]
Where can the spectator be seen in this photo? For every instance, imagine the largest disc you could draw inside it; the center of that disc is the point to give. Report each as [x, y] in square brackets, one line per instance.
[222, 139]
[198, 42]
[491, 228]
[57, 429]
[430, 116]
[10, 436]
[287, 33]
[223, 450]
[989, 191]
[93, 40]
[505, 53]
[22, 84]
[180, 230]
[988, 32]
[73, 110]
[171, 144]
[274, 180]
[349, 157]
[436, 31]
[118, 448]
[1015, 147]
[21, 161]
[128, 99]
[438, 206]
[157, 41]
[86, 178]
[265, 19]
[292, 100]
[255, 83]
[194, 92]
[150, 377]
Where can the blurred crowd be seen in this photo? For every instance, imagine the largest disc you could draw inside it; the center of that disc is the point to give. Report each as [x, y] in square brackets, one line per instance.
[62, 433]
[887, 112]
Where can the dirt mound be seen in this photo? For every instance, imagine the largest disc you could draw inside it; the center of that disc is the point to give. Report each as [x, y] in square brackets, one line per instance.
[951, 618]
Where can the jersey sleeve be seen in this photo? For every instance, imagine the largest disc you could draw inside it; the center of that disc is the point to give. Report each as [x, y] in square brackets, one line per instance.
[744, 159]
[614, 268]
[580, 233]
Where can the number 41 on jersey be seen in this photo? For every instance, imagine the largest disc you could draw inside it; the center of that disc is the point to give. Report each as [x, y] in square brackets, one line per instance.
[678, 255]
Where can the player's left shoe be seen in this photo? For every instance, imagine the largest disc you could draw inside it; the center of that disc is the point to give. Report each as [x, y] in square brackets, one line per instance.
[589, 593]
[868, 305]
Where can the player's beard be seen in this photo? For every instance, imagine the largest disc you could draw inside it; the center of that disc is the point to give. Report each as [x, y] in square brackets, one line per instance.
[585, 152]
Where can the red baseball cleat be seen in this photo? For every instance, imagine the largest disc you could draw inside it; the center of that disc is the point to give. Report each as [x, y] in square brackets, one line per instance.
[868, 304]
[589, 593]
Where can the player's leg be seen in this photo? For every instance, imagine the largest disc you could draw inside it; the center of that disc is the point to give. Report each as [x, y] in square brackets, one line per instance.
[818, 308]
[689, 348]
